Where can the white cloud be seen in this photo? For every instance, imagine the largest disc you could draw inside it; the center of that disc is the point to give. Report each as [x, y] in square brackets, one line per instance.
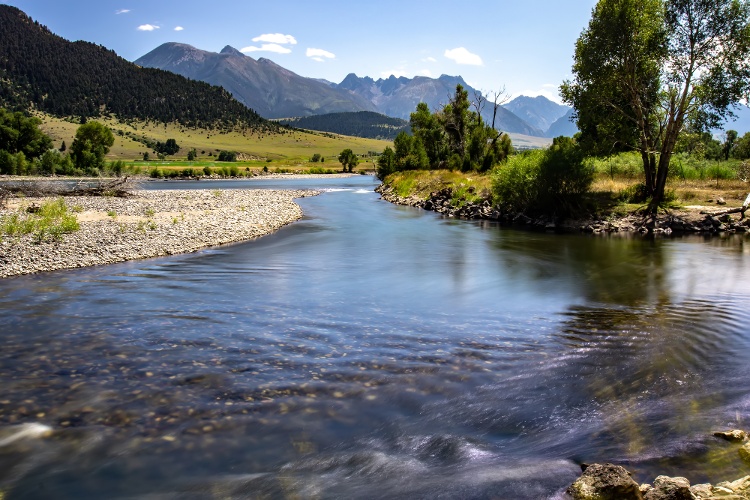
[429, 59]
[122, 11]
[426, 72]
[147, 27]
[462, 56]
[319, 55]
[276, 38]
[178, 28]
[267, 47]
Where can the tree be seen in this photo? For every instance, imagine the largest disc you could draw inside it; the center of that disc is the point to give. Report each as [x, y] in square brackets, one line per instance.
[167, 148]
[644, 69]
[729, 139]
[192, 155]
[348, 159]
[20, 133]
[386, 163]
[741, 149]
[90, 146]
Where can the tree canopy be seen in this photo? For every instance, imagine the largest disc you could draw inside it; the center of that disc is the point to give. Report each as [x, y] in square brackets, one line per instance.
[455, 137]
[348, 159]
[644, 70]
[20, 133]
[90, 146]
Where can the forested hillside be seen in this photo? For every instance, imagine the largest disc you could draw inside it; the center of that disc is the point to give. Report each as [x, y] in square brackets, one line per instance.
[43, 70]
[358, 124]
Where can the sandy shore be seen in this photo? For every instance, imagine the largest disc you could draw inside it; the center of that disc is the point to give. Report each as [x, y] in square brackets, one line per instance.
[151, 223]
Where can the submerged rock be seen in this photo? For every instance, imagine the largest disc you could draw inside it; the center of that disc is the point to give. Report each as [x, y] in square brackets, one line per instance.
[745, 452]
[605, 482]
[734, 435]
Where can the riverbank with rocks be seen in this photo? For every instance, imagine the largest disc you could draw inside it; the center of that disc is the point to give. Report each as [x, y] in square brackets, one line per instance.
[149, 223]
[614, 482]
[693, 219]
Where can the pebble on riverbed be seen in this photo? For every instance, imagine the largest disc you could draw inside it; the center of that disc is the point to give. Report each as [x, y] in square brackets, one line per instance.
[152, 223]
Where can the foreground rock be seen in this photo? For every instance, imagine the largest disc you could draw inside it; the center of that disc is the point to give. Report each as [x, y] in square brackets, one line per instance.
[605, 482]
[149, 224]
[613, 482]
[608, 481]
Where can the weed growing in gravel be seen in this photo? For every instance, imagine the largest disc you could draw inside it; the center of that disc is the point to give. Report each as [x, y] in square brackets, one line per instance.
[150, 212]
[112, 214]
[48, 222]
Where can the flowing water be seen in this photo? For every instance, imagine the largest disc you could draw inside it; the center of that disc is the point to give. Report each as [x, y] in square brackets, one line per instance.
[376, 351]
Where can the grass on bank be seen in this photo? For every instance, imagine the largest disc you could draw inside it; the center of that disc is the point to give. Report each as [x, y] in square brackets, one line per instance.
[47, 223]
[613, 191]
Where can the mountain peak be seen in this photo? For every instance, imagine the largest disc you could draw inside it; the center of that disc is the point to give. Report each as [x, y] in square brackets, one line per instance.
[231, 51]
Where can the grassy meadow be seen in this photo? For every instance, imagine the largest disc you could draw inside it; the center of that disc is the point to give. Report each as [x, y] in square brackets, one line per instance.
[290, 151]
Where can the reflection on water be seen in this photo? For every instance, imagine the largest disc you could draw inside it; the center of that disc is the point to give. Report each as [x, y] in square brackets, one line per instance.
[375, 351]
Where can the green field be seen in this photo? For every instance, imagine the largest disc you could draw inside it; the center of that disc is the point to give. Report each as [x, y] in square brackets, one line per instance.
[291, 150]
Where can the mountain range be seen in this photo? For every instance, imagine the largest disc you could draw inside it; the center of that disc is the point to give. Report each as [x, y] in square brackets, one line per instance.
[276, 92]
[42, 70]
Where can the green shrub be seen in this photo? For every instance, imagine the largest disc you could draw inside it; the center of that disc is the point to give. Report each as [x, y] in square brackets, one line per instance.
[514, 184]
[551, 181]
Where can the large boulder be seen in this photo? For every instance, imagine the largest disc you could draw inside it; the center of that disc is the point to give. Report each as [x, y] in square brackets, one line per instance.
[669, 488]
[605, 482]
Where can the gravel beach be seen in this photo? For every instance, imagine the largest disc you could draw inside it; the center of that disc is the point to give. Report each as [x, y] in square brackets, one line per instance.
[151, 223]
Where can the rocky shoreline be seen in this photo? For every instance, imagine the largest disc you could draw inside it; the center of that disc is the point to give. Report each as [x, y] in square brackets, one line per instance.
[150, 223]
[677, 222]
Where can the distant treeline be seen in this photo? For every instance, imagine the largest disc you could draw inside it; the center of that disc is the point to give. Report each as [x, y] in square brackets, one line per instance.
[358, 124]
[43, 70]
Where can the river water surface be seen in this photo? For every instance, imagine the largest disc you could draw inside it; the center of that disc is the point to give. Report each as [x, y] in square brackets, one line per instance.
[376, 351]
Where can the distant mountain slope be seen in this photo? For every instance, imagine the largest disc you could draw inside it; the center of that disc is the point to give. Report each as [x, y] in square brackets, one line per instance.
[538, 111]
[358, 124]
[398, 97]
[83, 79]
[563, 126]
[263, 85]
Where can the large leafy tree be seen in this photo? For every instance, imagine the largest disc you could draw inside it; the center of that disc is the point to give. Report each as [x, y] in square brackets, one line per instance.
[348, 159]
[90, 146]
[644, 69]
[20, 134]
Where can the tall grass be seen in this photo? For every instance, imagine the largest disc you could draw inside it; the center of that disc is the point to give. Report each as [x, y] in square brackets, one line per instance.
[49, 222]
[682, 167]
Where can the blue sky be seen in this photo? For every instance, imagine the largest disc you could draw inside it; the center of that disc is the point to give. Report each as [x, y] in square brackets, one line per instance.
[524, 45]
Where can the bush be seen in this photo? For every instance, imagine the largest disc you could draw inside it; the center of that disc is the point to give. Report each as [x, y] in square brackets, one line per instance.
[552, 181]
[514, 184]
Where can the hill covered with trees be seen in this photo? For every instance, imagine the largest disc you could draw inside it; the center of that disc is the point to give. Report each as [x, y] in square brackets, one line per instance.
[42, 70]
[358, 124]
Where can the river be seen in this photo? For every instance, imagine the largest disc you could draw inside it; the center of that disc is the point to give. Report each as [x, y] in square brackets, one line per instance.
[376, 351]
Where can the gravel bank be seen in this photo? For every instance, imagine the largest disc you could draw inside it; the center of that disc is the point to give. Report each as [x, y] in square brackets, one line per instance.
[149, 224]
